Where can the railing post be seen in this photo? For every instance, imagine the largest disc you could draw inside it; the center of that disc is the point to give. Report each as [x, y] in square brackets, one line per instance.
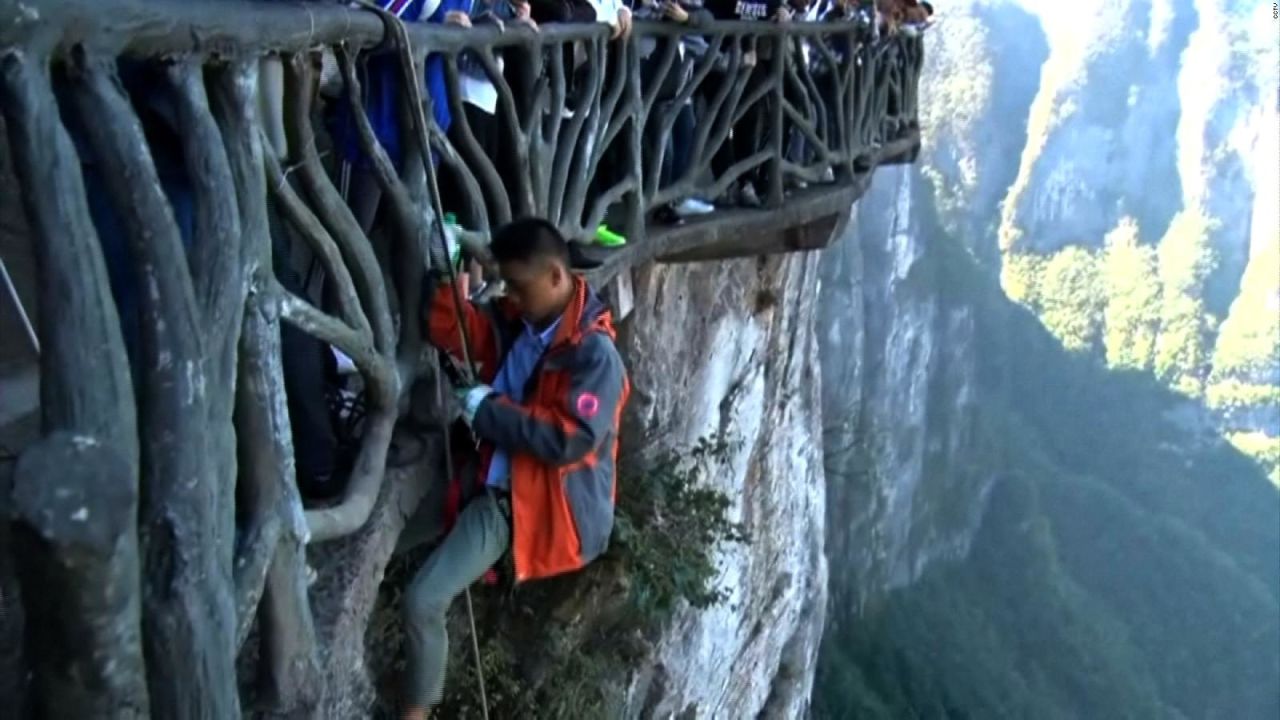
[635, 202]
[778, 69]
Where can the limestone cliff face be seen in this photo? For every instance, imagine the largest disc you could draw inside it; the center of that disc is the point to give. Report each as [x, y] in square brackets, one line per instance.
[1060, 118]
[1101, 130]
[978, 83]
[854, 370]
[898, 366]
[728, 349]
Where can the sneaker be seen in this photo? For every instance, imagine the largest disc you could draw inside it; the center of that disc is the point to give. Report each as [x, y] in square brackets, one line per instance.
[609, 238]
[747, 196]
[690, 207]
[828, 175]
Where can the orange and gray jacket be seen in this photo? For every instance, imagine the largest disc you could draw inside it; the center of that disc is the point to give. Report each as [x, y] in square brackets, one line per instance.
[563, 439]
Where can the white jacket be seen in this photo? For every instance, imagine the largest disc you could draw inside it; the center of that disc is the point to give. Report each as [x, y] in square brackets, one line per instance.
[607, 10]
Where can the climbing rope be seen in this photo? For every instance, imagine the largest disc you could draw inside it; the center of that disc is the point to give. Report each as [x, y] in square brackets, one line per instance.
[396, 26]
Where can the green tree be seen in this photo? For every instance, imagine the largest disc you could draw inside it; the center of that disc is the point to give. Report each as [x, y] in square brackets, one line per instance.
[1132, 312]
[1185, 259]
[1244, 385]
[1248, 345]
[1020, 277]
[1071, 299]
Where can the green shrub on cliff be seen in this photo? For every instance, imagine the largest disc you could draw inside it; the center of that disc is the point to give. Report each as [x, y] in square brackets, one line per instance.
[1142, 308]
[670, 526]
[1236, 395]
[1249, 339]
[1020, 275]
[1261, 447]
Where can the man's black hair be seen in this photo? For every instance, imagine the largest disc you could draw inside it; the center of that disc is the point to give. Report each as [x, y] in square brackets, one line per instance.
[529, 240]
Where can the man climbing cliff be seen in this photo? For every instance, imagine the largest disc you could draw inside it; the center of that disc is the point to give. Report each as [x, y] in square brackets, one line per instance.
[546, 418]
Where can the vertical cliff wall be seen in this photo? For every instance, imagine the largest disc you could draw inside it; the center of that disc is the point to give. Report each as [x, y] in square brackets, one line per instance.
[898, 362]
[855, 368]
[728, 350]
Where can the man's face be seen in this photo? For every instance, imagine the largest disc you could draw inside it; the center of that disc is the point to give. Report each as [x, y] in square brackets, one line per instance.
[537, 287]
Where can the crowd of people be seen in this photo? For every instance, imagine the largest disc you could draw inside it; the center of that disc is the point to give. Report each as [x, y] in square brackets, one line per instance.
[480, 97]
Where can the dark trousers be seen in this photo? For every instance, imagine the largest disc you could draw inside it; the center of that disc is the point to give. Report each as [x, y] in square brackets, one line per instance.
[485, 129]
[676, 160]
[563, 11]
[307, 364]
[747, 135]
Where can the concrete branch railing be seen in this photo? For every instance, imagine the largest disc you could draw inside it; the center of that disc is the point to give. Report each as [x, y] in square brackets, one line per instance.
[828, 113]
[196, 427]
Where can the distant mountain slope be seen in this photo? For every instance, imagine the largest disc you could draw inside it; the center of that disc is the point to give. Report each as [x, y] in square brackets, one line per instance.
[1115, 159]
[1127, 565]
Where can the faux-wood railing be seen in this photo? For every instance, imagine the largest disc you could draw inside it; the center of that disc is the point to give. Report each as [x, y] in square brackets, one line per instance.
[160, 502]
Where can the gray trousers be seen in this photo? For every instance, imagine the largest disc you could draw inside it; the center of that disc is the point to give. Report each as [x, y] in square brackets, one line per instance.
[479, 538]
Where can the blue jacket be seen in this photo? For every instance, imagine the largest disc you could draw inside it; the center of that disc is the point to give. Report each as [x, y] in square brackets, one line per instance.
[381, 85]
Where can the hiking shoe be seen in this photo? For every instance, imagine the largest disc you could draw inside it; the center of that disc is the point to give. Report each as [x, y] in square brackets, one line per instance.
[586, 257]
[729, 197]
[747, 196]
[665, 215]
[690, 207]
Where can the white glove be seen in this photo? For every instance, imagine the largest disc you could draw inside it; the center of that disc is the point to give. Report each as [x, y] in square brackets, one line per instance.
[470, 399]
[440, 263]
